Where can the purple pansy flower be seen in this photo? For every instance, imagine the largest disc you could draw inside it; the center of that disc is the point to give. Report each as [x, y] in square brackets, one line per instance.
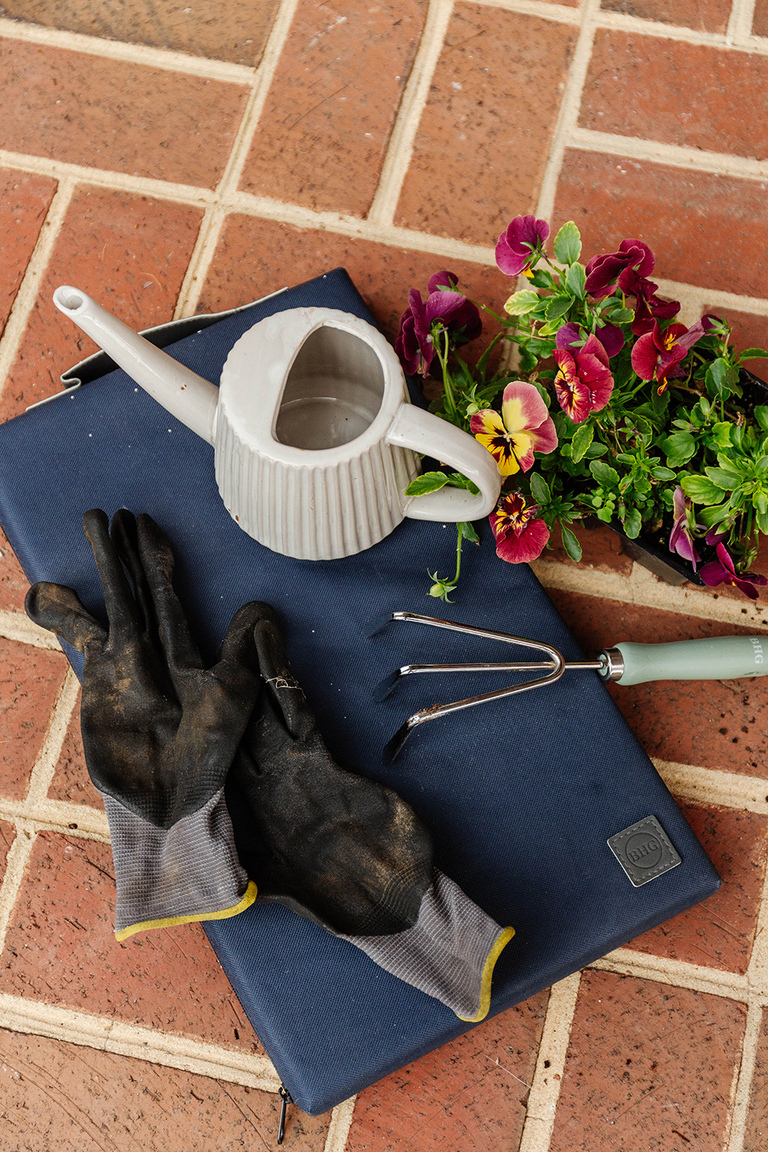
[516, 247]
[570, 338]
[681, 536]
[584, 382]
[444, 307]
[657, 354]
[723, 571]
[604, 271]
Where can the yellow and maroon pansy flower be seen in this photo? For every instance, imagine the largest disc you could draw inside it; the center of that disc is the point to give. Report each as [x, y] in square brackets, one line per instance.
[523, 427]
[520, 534]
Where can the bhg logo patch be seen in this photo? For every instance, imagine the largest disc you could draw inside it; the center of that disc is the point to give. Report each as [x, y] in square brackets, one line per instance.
[644, 851]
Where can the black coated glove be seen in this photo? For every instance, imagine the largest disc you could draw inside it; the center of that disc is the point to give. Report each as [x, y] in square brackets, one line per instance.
[347, 852]
[159, 729]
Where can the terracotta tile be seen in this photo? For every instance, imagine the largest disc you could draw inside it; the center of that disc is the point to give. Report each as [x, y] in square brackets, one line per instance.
[720, 931]
[470, 1094]
[13, 582]
[71, 781]
[130, 253]
[30, 682]
[760, 18]
[649, 1066]
[324, 130]
[235, 31]
[601, 548]
[701, 15]
[703, 228]
[76, 1099]
[484, 137]
[61, 949]
[640, 86]
[713, 724]
[255, 257]
[24, 201]
[112, 114]
[757, 1118]
[7, 837]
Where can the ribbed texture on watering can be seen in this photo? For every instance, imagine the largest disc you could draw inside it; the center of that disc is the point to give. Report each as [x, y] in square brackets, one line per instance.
[313, 512]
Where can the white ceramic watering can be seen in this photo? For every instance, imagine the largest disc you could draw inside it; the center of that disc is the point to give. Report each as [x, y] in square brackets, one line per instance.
[314, 439]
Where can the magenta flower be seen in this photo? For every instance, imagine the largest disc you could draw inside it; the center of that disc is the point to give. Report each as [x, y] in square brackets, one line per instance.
[516, 247]
[520, 535]
[648, 306]
[604, 271]
[681, 536]
[570, 336]
[584, 382]
[723, 571]
[657, 354]
[444, 309]
[524, 427]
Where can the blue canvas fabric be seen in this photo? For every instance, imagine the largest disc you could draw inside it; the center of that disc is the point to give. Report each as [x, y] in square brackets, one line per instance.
[521, 795]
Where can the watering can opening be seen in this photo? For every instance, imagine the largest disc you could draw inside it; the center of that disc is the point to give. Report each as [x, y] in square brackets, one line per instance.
[333, 391]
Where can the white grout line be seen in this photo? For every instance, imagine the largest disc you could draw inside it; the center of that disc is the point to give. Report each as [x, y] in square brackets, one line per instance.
[557, 13]
[15, 867]
[341, 1122]
[214, 217]
[548, 1076]
[739, 29]
[679, 973]
[30, 284]
[671, 155]
[617, 21]
[643, 589]
[757, 972]
[569, 108]
[44, 768]
[31, 1016]
[712, 786]
[105, 178]
[141, 54]
[15, 626]
[744, 1076]
[412, 105]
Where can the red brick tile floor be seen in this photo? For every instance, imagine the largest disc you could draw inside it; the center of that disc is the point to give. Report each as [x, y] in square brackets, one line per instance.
[180, 160]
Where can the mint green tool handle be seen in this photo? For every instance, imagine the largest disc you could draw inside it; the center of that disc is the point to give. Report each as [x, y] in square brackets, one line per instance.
[719, 658]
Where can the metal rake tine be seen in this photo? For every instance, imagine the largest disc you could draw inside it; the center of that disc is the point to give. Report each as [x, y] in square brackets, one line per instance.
[385, 686]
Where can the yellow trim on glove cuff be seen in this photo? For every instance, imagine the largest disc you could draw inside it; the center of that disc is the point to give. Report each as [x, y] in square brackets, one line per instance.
[245, 902]
[485, 986]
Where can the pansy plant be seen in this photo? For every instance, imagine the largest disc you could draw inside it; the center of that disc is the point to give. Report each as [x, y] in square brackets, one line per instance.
[615, 408]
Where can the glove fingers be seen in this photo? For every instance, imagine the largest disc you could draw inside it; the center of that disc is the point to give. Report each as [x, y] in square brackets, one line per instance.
[238, 645]
[276, 672]
[157, 560]
[123, 535]
[118, 597]
[57, 608]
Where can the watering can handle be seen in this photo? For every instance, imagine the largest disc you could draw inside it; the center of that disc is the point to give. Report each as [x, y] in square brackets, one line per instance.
[430, 435]
[717, 658]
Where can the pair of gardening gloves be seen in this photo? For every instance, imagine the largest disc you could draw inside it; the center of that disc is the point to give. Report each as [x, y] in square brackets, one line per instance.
[219, 789]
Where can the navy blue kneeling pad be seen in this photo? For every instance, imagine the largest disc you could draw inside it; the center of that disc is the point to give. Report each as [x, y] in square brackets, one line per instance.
[522, 795]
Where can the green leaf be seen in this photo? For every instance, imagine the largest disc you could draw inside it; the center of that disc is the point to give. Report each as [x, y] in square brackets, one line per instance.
[568, 243]
[761, 466]
[582, 438]
[570, 543]
[557, 307]
[576, 279]
[540, 278]
[540, 489]
[723, 478]
[711, 516]
[469, 532]
[521, 302]
[603, 473]
[427, 482]
[661, 473]
[722, 433]
[753, 354]
[679, 448]
[762, 522]
[761, 415]
[632, 523]
[621, 315]
[596, 450]
[701, 490]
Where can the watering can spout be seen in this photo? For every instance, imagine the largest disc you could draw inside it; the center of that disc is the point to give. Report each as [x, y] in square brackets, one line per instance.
[184, 394]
